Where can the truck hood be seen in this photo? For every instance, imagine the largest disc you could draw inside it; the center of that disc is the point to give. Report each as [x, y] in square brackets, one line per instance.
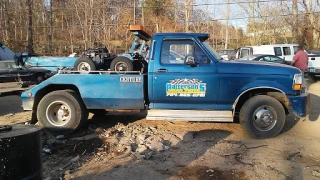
[255, 67]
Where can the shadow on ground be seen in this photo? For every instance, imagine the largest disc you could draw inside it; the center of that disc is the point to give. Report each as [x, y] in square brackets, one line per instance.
[10, 105]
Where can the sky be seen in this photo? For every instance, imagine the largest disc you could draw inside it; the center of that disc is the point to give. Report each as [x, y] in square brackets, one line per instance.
[218, 10]
[238, 17]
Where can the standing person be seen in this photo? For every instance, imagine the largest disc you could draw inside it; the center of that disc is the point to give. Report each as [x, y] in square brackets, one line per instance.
[300, 59]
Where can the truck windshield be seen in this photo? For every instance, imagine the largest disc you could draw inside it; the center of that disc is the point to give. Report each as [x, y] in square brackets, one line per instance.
[212, 51]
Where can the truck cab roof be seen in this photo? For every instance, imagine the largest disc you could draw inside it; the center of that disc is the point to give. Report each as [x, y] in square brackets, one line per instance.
[201, 36]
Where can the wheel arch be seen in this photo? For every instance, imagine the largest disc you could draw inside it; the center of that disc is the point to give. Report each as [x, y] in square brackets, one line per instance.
[48, 89]
[270, 91]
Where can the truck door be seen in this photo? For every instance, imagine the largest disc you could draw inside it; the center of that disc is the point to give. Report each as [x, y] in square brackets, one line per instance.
[180, 86]
[287, 53]
[245, 52]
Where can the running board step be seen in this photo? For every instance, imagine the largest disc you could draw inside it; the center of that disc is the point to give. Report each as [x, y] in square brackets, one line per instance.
[190, 115]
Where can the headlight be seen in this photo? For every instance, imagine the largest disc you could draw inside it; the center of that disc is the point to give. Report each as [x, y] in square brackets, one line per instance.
[297, 82]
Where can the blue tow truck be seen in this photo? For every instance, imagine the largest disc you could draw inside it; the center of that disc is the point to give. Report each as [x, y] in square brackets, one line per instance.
[186, 80]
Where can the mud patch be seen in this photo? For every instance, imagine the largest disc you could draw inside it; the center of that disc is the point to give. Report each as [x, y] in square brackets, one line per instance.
[204, 172]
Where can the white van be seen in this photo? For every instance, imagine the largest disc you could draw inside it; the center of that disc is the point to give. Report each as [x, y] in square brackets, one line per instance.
[285, 51]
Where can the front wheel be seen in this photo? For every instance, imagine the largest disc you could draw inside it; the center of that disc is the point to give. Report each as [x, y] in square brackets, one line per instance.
[61, 112]
[262, 116]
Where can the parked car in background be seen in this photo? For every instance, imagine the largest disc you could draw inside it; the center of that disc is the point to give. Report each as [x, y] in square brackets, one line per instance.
[227, 54]
[265, 57]
[284, 51]
[10, 72]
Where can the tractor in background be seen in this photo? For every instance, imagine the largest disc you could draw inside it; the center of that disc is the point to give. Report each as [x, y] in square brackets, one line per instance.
[96, 58]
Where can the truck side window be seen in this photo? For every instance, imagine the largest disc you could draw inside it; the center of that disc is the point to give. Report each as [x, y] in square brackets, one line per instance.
[286, 51]
[199, 56]
[175, 52]
[277, 51]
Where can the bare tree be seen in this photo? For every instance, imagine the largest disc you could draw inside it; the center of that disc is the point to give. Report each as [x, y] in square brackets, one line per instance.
[295, 19]
[227, 25]
[30, 31]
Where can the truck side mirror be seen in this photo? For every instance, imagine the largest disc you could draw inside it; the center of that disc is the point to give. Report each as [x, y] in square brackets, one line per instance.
[190, 61]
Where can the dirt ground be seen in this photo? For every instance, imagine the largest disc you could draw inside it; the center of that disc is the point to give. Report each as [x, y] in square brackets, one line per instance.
[126, 146]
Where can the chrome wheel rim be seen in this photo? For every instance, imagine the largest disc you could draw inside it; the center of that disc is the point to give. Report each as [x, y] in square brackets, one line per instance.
[58, 113]
[264, 118]
[121, 66]
[84, 66]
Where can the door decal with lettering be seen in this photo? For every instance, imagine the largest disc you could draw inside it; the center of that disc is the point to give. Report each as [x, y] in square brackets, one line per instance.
[130, 79]
[186, 88]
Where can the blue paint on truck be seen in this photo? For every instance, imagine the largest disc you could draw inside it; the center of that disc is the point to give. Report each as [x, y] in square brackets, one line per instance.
[192, 84]
[49, 62]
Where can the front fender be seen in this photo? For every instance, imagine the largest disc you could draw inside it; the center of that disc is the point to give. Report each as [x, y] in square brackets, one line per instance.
[262, 84]
[300, 103]
[256, 86]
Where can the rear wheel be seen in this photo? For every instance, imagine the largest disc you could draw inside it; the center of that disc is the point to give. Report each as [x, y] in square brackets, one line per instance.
[121, 63]
[262, 116]
[84, 65]
[61, 112]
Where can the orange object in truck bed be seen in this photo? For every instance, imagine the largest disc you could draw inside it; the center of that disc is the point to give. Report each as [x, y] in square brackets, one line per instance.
[140, 29]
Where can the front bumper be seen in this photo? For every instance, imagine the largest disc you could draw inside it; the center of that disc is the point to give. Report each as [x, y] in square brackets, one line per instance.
[300, 104]
[314, 70]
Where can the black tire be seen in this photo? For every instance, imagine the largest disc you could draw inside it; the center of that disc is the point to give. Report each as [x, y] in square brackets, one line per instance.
[84, 64]
[117, 63]
[52, 102]
[39, 78]
[262, 105]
